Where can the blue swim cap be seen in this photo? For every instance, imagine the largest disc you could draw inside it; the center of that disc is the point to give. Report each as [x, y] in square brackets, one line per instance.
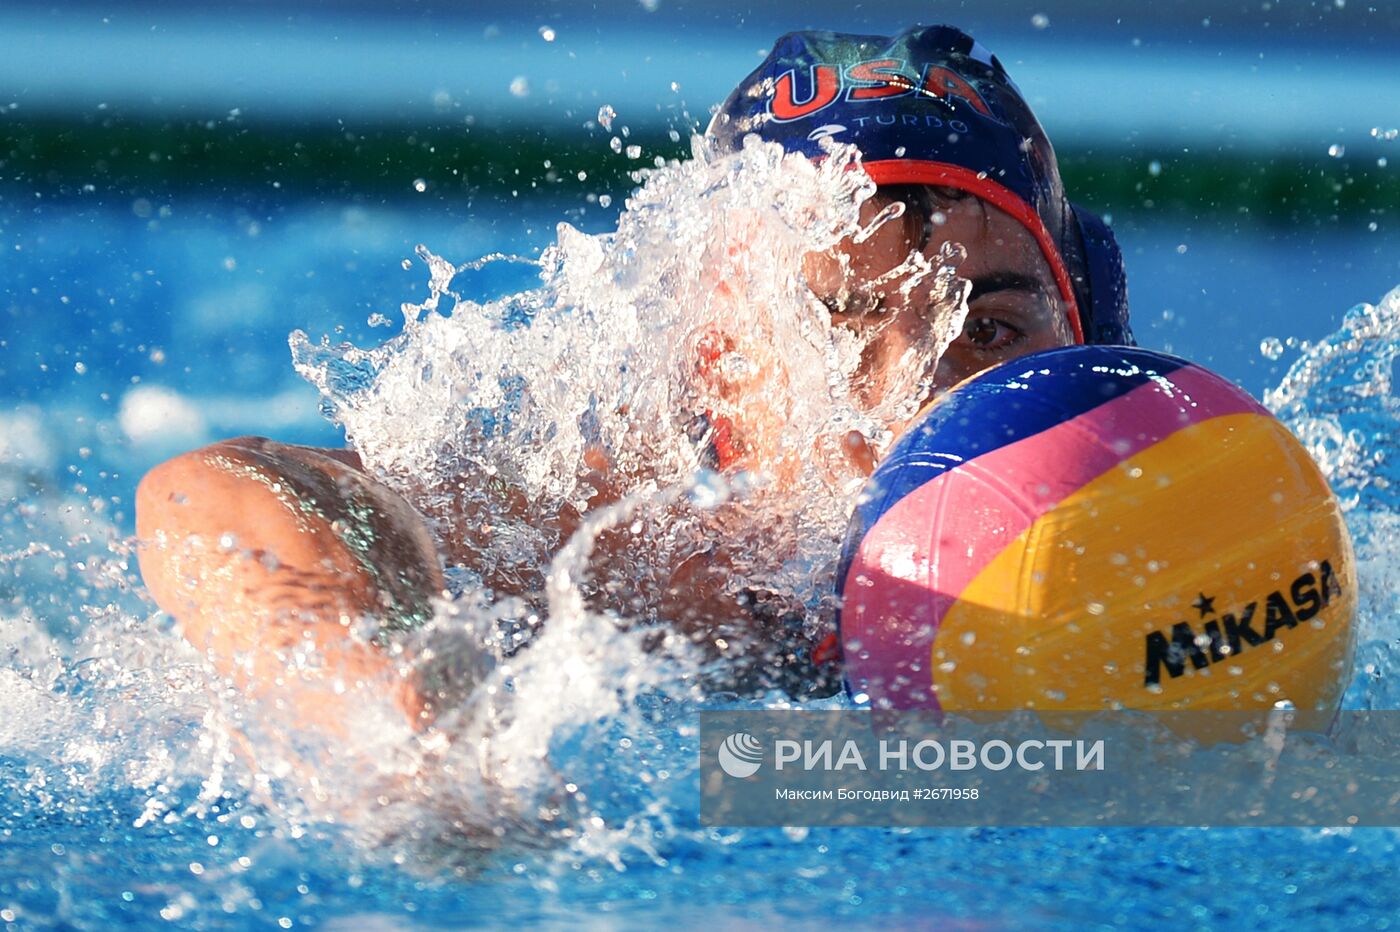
[932, 106]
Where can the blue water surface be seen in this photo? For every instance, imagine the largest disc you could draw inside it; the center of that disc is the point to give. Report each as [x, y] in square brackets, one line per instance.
[105, 297]
[198, 298]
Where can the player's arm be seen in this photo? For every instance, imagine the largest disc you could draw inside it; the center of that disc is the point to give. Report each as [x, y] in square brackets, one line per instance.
[262, 550]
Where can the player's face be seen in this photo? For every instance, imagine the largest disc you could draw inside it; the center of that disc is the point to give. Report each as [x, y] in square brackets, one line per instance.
[1014, 306]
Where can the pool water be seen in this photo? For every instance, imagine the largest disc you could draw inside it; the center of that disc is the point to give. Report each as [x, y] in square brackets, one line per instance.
[137, 329]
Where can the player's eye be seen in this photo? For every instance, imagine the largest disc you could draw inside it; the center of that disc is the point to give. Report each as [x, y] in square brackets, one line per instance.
[989, 333]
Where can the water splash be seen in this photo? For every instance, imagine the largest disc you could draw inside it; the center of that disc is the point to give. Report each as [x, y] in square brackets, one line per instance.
[1339, 399]
[570, 427]
[634, 349]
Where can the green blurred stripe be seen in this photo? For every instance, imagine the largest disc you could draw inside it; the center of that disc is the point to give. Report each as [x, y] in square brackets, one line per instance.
[54, 157]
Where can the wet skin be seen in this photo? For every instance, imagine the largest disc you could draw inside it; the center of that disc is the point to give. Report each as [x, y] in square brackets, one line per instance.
[263, 550]
[1014, 306]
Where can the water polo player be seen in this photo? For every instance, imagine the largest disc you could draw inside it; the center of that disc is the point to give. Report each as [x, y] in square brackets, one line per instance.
[941, 127]
[259, 547]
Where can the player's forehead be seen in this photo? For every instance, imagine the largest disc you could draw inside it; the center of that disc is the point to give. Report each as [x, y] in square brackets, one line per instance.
[992, 240]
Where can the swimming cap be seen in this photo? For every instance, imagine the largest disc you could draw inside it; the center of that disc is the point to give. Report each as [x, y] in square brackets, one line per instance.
[932, 106]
